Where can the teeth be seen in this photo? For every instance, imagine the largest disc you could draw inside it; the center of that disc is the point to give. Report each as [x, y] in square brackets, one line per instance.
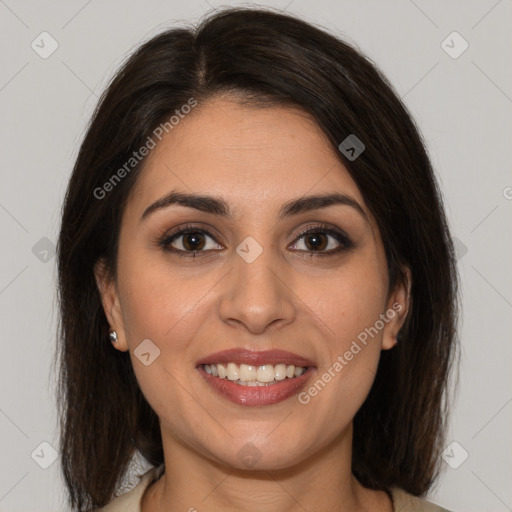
[280, 371]
[247, 375]
[232, 371]
[221, 370]
[247, 372]
[265, 373]
[298, 371]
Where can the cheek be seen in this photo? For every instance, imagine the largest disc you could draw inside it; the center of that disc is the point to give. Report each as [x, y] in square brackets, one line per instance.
[348, 308]
[166, 310]
[349, 300]
[159, 301]
[167, 307]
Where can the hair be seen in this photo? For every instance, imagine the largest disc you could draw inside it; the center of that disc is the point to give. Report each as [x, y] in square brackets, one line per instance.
[263, 58]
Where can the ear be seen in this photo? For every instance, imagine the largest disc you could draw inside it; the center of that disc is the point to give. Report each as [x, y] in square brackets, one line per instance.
[111, 304]
[397, 308]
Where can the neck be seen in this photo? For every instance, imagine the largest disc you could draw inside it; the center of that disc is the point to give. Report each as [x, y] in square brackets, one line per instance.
[324, 481]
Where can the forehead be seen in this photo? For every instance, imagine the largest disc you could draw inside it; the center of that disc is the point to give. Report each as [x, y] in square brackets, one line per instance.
[245, 154]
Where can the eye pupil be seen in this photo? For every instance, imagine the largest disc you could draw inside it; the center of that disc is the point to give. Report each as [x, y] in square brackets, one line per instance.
[317, 244]
[193, 236]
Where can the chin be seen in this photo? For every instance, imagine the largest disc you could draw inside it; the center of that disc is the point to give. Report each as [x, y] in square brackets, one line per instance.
[266, 455]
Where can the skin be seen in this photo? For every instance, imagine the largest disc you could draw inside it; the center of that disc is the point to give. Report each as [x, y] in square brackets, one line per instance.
[256, 159]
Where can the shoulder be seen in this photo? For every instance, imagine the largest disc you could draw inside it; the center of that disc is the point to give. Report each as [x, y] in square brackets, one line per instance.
[130, 501]
[405, 502]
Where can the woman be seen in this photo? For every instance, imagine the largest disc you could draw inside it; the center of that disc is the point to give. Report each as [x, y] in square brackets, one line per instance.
[257, 282]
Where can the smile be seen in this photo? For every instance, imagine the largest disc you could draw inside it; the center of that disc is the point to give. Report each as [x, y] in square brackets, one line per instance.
[251, 375]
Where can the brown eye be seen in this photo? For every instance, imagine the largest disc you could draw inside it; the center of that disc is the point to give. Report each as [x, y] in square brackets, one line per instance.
[189, 241]
[193, 241]
[316, 241]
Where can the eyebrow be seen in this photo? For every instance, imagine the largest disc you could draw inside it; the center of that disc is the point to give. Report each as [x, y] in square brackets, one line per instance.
[217, 206]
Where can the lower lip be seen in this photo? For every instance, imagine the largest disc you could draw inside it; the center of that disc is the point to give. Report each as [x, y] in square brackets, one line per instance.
[257, 395]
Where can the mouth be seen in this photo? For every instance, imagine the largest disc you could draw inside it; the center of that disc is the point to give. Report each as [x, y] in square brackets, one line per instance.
[256, 378]
[250, 375]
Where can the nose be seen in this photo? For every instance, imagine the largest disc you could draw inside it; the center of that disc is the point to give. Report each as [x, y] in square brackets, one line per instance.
[257, 295]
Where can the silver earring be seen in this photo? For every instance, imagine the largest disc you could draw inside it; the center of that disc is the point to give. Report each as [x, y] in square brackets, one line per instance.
[113, 336]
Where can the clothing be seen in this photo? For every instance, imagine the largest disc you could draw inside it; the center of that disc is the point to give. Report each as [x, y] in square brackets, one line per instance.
[130, 501]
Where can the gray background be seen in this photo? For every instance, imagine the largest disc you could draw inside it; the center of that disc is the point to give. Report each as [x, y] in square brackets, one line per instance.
[462, 105]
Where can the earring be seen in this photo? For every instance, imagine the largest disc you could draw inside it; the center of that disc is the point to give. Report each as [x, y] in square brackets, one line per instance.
[113, 336]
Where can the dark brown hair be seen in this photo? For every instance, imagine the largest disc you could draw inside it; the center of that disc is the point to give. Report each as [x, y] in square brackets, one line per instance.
[268, 58]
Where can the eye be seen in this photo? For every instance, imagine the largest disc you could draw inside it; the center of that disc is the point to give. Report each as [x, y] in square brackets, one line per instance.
[316, 241]
[193, 241]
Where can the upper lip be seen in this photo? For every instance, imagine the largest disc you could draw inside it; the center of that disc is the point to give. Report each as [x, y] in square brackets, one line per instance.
[255, 358]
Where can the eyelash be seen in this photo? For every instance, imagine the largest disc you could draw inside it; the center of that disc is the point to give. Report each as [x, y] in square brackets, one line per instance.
[341, 237]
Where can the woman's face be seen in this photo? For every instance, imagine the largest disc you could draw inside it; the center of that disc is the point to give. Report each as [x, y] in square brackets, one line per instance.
[253, 284]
